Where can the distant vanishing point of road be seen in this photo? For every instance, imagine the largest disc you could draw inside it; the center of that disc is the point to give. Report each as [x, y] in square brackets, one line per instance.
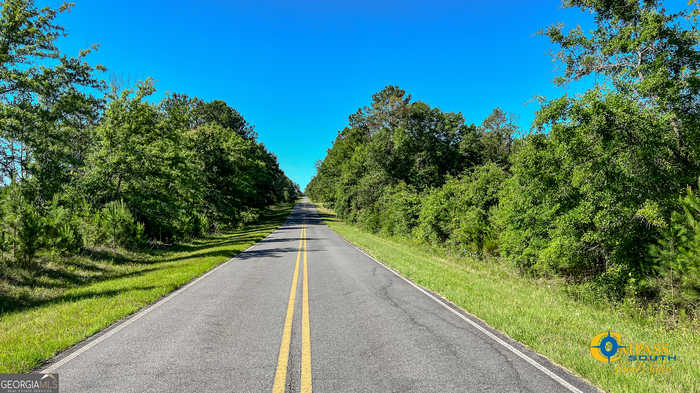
[304, 310]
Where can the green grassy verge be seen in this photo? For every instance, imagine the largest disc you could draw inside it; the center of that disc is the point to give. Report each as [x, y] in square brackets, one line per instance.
[539, 313]
[69, 299]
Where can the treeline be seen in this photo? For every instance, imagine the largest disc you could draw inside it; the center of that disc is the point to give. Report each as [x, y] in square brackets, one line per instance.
[603, 190]
[85, 165]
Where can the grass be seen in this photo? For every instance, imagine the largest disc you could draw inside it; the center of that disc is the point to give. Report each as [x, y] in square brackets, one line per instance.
[43, 312]
[539, 313]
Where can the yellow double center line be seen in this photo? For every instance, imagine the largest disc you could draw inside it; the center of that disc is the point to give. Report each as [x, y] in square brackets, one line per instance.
[283, 359]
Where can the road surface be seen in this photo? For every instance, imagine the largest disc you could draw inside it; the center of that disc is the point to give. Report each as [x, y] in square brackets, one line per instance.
[304, 310]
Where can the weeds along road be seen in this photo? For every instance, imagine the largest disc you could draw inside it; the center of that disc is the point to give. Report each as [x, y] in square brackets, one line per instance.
[304, 310]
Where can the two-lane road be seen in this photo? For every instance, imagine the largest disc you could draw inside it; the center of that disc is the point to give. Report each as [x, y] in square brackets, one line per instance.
[304, 310]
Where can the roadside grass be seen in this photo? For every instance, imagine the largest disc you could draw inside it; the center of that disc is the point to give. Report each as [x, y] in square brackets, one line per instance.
[539, 313]
[69, 299]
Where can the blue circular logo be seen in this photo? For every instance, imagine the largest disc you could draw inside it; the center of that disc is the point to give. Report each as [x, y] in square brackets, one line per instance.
[605, 345]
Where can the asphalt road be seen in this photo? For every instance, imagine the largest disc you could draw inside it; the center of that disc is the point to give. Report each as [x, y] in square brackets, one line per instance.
[260, 324]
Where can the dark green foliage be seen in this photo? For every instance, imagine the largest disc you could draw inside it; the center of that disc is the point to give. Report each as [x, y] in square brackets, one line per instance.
[460, 211]
[177, 175]
[393, 141]
[390, 170]
[524, 206]
[677, 254]
[62, 228]
[21, 226]
[399, 208]
[217, 112]
[137, 158]
[497, 137]
[46, 98]
[593, 191]
[117, 226]
[84, 169]
[586, 195]
[249, 216]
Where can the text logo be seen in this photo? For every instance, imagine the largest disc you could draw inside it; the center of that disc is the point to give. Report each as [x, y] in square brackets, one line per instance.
[29, 383]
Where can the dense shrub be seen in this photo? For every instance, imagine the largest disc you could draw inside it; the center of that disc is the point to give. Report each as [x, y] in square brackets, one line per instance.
[584, 200]
[82, 165]
[249, 216]
[399, 207]
[62, 229]
[584, 195]
[118, 226]
[677, 255]
[22, 225]
[196, 224]
[460, 211]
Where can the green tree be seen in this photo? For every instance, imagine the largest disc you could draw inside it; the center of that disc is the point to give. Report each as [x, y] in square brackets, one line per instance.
[590, 194]
[496, 139]
[46, 97]
[459, 212]
[22, 225]
[677, 255]
[138, 158]
[219, 112]
[648, 55]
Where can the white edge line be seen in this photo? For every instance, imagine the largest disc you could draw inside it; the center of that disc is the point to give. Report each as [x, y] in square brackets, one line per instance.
[520, 354]
[135, 317]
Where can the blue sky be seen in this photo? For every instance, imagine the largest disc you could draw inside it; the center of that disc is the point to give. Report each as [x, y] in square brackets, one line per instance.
[297, 69]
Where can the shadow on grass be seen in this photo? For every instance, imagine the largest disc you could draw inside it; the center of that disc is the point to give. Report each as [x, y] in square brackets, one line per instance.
[227, 240]
[10, 304]
[328, 217]
[62, 278]
[23, 288]
[109, 256]
[205, 254]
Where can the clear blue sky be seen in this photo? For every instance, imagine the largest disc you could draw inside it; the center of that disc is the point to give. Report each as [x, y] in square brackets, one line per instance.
[297, 69]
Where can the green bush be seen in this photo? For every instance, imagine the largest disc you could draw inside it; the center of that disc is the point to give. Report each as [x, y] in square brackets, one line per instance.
[62, 230]
[677, 255]
[249, 216]
[368, 219]
[460, 211]
[437, 213]
[118, 226]
[583, 196]
[399, 209]
[525, 202]
[22, 225]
